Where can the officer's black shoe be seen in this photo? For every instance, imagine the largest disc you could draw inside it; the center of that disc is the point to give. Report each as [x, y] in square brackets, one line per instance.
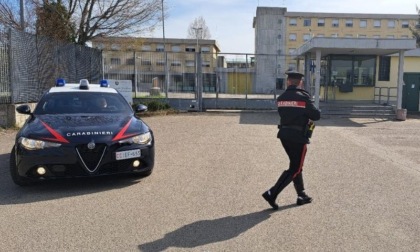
[270, 200]
[303, 199]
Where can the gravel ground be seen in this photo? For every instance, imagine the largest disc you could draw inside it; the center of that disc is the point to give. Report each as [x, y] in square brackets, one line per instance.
[205, 192]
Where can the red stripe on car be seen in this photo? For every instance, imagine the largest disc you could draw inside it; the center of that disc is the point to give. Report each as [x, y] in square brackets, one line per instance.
[58, 137]
[121, 134]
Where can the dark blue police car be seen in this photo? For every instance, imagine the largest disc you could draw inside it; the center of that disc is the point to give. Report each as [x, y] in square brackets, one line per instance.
[81, 130]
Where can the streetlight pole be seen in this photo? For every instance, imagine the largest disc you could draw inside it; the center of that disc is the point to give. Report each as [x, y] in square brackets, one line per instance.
[135, 74]
[165, 53]
[197, 70]
[22, 14]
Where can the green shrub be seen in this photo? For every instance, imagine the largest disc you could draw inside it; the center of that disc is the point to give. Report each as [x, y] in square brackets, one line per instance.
[155, 105]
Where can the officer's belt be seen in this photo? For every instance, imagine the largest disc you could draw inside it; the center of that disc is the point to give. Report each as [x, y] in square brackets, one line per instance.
[296, 127]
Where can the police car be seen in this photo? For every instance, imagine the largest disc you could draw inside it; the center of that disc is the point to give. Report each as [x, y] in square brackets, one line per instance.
[81, 130]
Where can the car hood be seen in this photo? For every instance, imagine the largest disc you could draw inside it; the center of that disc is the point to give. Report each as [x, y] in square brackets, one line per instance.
[83, 128]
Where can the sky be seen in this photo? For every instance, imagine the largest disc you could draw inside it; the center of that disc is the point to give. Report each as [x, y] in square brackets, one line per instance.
[230, 21]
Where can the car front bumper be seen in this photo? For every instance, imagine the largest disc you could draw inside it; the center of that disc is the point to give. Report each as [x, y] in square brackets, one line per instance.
[78, 161]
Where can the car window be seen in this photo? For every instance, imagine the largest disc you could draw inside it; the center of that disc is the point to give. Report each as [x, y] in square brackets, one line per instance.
[79, 102]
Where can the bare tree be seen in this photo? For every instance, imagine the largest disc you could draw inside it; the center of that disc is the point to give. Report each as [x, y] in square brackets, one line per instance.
[198, 29]
[101, 18]
[415, 28]
[10, 15]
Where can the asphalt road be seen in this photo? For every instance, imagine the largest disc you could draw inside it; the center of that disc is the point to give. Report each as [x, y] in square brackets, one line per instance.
[205, 192]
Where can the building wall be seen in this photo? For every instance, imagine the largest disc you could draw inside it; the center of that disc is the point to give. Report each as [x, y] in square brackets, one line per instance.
[143, 59]
[148, 53]
[327, 29]
[295, 28]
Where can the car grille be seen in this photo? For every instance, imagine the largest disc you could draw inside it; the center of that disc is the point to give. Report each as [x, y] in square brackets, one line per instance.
[91, 158]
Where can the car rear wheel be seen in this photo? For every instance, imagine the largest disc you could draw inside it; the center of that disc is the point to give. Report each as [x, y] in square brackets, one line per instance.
[17, 179]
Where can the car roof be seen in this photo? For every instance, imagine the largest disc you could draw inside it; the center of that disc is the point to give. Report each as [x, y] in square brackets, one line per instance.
[73, 87]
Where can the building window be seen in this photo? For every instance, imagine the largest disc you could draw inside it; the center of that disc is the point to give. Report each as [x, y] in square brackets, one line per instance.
[189, 63]
[335, 23]
[363, 23]
[320, 35]
[334, 35]
[115, 47]
[384, 68]
[348, 35]
[321, 22]
[390, 36]
[404, 36]
[160, 48]
[176, 63]
[292, 36]
[391, 23]
[361, 36]
[176, 48]
[146, 48]
[160, 63]
[115, 61]
[190, 49]
[307, 22]
[404, 24]
[205, 64]
[146, 62]
[129, 61]
[349, 23]
[377, 23]
[306, 37]
[376, 36]
[292, 22]
[205, 49]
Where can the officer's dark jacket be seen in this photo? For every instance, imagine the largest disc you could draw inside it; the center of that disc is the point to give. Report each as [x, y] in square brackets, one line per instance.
[295, 108]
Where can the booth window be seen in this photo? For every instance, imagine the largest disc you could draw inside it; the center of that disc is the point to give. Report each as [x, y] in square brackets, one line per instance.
[352, 70]
[384, 68]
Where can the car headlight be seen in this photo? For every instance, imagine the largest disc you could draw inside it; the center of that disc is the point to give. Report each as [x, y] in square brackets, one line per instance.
[145, 138]
[32, 144]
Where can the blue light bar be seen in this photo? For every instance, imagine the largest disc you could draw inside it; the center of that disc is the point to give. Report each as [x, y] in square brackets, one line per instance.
[104, 83]
[60, 82]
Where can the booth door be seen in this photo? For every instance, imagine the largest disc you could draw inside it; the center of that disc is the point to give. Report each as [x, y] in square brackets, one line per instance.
[411, 91]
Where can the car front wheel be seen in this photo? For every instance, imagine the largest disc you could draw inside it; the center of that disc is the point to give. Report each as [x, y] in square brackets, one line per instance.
[17, 179]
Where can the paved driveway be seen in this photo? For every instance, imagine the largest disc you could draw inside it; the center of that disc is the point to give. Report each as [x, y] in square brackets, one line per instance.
[205, 192]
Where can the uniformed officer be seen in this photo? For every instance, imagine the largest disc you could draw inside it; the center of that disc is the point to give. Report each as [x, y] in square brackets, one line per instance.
[296, 111]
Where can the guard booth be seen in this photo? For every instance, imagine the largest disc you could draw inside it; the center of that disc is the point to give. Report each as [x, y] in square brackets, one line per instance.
[349, 68]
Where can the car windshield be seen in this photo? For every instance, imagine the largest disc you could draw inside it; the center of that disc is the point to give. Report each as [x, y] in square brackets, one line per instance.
[80, 102]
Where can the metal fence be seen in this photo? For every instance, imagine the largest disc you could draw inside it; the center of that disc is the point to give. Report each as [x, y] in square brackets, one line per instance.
[199, 80]
[30, 65]
[5, 89]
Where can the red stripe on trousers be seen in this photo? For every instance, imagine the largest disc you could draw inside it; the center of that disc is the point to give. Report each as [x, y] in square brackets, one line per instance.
[302, 158]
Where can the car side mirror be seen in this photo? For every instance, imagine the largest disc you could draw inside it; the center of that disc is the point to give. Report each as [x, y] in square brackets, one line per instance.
[141, 108]
[24, 109]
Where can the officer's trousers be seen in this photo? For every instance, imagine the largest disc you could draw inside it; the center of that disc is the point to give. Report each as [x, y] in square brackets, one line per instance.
[296, 153]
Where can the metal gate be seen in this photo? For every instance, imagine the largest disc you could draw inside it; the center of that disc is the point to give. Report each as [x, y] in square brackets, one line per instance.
[199, 81]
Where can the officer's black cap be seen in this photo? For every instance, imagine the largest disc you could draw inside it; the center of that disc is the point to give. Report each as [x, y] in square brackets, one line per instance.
[292, 74]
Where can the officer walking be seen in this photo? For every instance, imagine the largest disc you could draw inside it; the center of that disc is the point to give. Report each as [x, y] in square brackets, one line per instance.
[297, 113]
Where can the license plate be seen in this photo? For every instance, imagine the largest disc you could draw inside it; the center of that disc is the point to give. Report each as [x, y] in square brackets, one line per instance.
[127, 154]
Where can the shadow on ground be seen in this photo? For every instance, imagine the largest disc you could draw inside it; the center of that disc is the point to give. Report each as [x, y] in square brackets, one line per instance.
[209, 231]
